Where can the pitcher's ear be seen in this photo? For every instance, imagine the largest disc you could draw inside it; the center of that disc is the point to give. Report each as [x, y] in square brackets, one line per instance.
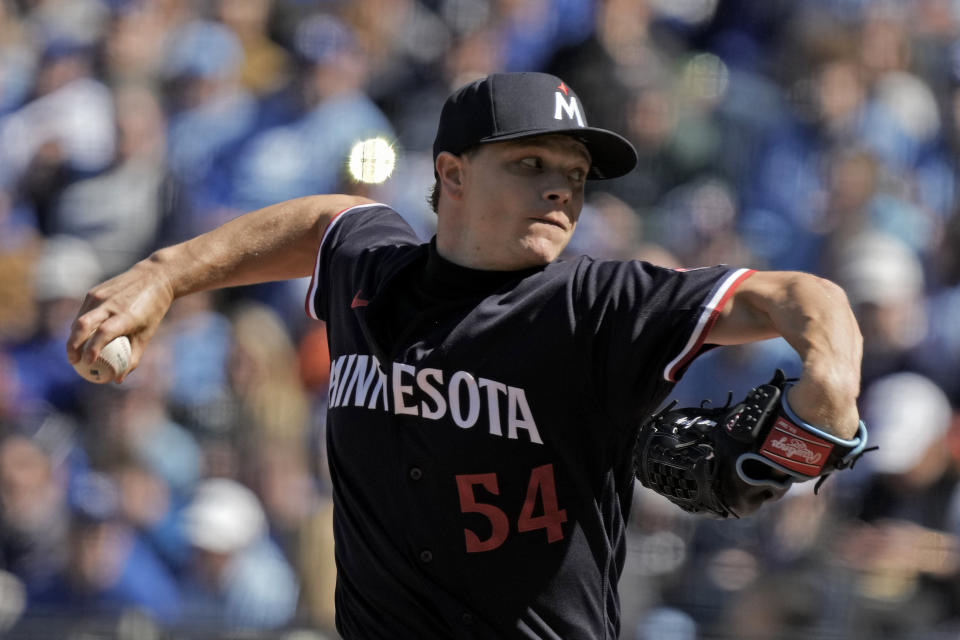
[449, 168]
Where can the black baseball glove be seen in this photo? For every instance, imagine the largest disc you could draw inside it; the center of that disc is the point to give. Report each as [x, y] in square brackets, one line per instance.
[728, 461]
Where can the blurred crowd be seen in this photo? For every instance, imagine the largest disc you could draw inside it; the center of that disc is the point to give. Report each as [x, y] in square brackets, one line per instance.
[819, 135]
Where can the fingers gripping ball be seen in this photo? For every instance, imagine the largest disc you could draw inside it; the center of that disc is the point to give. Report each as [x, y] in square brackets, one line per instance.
[113, 361]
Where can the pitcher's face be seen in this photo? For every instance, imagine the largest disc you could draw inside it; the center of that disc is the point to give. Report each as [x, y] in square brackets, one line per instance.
[522, 199]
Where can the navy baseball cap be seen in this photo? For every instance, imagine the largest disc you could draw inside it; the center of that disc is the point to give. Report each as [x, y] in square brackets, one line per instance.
[510, 106]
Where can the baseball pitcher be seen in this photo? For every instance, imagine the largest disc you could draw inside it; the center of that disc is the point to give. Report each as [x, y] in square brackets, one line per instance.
[492, 407]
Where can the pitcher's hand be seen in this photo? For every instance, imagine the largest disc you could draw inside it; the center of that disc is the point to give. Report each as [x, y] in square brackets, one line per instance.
[131, 304]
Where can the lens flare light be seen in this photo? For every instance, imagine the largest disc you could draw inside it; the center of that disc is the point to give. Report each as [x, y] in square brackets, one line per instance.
[372, 160]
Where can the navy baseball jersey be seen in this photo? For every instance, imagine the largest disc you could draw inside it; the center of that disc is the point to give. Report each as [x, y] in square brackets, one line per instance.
[481, 425]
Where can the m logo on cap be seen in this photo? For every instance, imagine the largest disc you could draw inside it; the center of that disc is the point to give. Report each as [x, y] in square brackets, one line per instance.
[572, 108]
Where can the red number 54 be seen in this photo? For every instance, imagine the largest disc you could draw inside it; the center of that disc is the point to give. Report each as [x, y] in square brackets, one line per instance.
[541, 482]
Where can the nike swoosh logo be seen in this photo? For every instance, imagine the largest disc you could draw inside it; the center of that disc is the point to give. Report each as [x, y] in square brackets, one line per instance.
[358, 301]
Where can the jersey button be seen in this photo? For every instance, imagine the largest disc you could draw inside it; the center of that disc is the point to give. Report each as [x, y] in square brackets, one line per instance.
[466, 618]
[426, 556]
[415, 473]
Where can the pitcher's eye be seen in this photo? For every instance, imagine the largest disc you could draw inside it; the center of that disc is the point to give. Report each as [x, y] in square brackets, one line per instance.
[531, 162]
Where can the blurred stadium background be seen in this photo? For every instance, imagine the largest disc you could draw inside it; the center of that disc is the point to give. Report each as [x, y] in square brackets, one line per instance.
[192, 502]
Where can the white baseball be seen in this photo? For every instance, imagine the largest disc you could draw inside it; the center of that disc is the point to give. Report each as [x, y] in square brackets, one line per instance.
[113, 361]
